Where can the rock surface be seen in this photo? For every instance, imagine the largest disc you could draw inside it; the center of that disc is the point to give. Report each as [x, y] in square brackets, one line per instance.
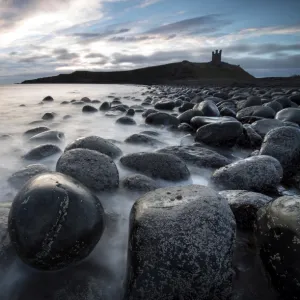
[41, 152]
[139, 183]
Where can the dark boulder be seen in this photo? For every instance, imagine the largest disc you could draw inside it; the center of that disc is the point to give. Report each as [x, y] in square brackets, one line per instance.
[139, 183]
[42, 222]
[41, 152]
[227, 112]
[200, 121]
[86, 100]
[157, 165]
[19, 178]
[89, 109]
[161, 119]
[49, 135]
[165, 105]
[95, 170]
[130, 112]
[104, 106]
[125, 121]
[186, 106]
[31, 132]
[96, 143]
[276, 106]
[48, 99]
[262, 127]
[256, 111]
[64, 102]
[251, 101]
[188, 115]
[290, 114]
[208, 108]
[170, 241]
[48, 116]
[257, 173]
[295, 98]
[249, 139]
[185, 127]
[142, 139]
[149, 112]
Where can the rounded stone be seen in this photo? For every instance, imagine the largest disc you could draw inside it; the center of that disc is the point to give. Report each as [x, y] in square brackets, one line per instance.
[49, 135]
[86, 100]
[161, 119]
[142, 139]
[149, 112]
[185, 127]
[165, 105]
[175, 233]
[276, 106]
[64, 102]
[157, 165]
[208, 108]
[104, 106]
[48, 99]
[290, 114]
[295, 98]
[19, 178]
[186, 106]
[125, 121]
[188, 115]
[55, 222]
[31, 132]
[130, 112]
[257, 173]
[279, 244]
[251, 101]
[95, 170]
[48, 116]
[250, 139]
[96, 143]
[139, 183]
[262, 127]
[89, 109]
[256, 111]
[42, 151]
[200, 121]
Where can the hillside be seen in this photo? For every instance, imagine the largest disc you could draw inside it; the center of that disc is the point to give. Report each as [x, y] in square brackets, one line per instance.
[154, 75]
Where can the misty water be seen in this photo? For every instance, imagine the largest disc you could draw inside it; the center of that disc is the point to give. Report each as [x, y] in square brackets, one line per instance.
[101, 275]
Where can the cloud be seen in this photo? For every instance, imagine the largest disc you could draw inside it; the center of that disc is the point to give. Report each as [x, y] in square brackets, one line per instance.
[95, 55]
[146, 3]
[64, 54]
[33, 59]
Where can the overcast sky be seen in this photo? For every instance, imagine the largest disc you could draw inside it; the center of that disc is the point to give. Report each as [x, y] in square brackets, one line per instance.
[46, 37]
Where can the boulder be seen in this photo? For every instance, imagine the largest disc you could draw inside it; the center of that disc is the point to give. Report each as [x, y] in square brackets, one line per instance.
[262, 127]
[125, 121]
[41, 152]
[227, 112]
[149, 112]
[180, 245]
[130, 112]
[48, 99]
[89, 109]
[276, 106]
[165, 105]
[295, 98]
[244, 205]
[197, 156]
[64, 102]
[258, 173]
[95, 170]
[157, 165]
[220, 134]
[290, 114]
[142, 139]
[256, 111]
[283, 143]
[185, 127]
[86, 100]
[48, 136]
[96, 143]
[139, 183]
[54, 222]
[31, 132]
[251, 101]
[279, 242]
[188, 115]
[104, 106]
[19, 178]
[161, 119]
[200, 121]
[48, 116]
[250, 139]
[208, 108]
[186, 106]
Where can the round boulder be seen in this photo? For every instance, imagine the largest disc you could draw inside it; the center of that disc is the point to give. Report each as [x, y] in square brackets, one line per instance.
[31, 132]
[96, 143]
[89, 109]
[290, 114]
[157, 165]
[257, 173]
[49, 135]
[48, 99]
[161, 119]
[95, 170]
[42, 151]
[139, 183]
[104, 106]
[142, 139]
[48, 116]
[125, 121]
[256, 111]
[208, 108]
[54, 222]
[188, 115]
[262, 127]
[165, 105]
[170, 241]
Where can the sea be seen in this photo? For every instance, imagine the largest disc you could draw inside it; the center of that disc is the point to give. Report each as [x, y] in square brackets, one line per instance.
[101, 275]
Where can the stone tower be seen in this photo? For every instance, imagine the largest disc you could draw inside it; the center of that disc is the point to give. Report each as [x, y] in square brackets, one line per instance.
[216, 57]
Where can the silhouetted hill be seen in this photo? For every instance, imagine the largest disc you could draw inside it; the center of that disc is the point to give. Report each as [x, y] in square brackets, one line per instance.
[154, 75]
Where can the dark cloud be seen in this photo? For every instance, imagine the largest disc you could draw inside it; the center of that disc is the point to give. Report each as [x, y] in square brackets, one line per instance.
[139, 38]
[203, 24]
[95, 55]
[64, 54]
[33, 59]
[13, 53]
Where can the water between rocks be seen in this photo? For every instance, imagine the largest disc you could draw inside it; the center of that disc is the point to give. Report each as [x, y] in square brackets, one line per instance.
[100, 275]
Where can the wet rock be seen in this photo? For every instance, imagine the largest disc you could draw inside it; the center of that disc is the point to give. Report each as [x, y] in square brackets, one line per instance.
[89, 109]
[279, 241]
[200, 121]
[96, 101]
[149, 112]
[208, 108]
[66, 117]
[170, 237]
[139, 183]
[48, 116]
[150, 132]
[49, 135]
[95, 170]
[104, 106]
[250, 138]
[96, 143]
[41, 152]
[197, 156]
[64, 102]
[262, 127]
[142, 139]
[256, 111]
[295, 98]
[130, 112]
[257, 173]
[290, 114]
[78, 103]
[19, 178]
[251, 101]
[244, 205]
[121, 108]
[45, 236]
[220, 134]
[22, 105]
[185, 127]
[227, 112]
[283, 143]
[285, 102]
[48, 99]
[276, 106]
[126, 121]
[161, 119]
[34, 131]
[186, 106]
[165, 105]
[188, 115]
[86, 100]
[4, 137]
[157, 165]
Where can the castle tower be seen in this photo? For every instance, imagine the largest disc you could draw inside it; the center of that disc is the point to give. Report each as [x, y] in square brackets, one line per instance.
[216, 57]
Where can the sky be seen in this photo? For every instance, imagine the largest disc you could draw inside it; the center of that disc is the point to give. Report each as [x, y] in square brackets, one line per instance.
[40, 38]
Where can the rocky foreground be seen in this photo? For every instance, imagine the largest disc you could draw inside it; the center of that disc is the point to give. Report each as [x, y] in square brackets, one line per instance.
[238, 238]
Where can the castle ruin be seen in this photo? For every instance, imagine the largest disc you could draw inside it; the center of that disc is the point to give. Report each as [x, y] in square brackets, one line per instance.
[216, 57]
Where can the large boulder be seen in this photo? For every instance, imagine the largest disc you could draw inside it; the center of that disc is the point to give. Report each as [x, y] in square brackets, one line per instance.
[48, 99]
[105, 106]
[125, 121]
[283, 143]
[197, 156]
[96, 143]
[278, 236]
[142, 139]
[48, 136]
[256, 111]
[165, 105]
[96, 170]
[139, 183]
[257, 173]
[200, 121]
[54, 222]
[89, 109]
[34, 131]
[157, 165]
[188, 115]
[180, 245]
[19, 178]
[244, 205]
[220, 134]
[276, 106]
[290, 114]
[48, 116]
[208, 108]
[162, 119]
[250, 101]
[41, 152]
[250, 139]
[262, 127]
